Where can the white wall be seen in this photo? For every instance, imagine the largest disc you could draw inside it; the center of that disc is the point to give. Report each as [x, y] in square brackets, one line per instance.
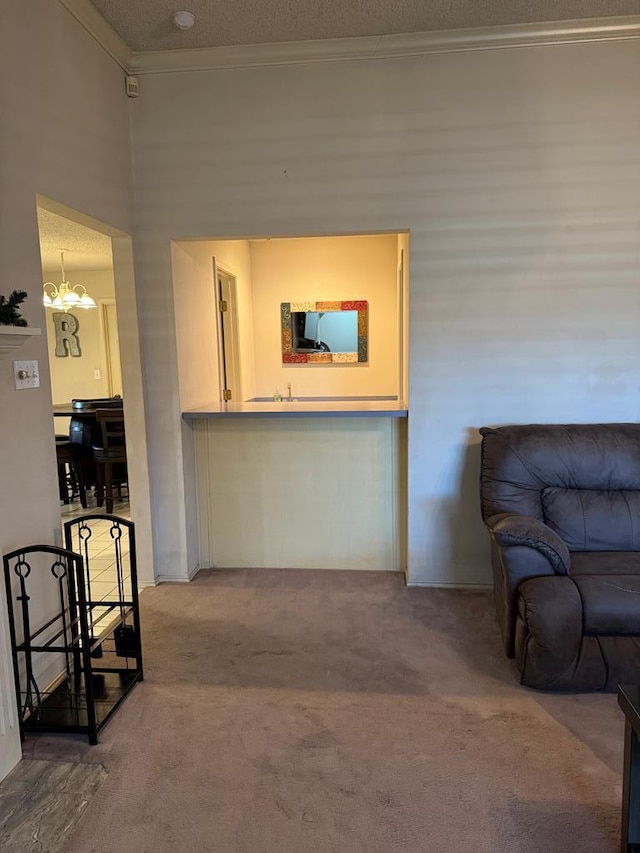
[195, 299]
[234, 257]
[195, 318]
[65, 134]
[517, 173]
[300, 493]
[326, 269]
[404, 289]
[73, 376]
[195, 327]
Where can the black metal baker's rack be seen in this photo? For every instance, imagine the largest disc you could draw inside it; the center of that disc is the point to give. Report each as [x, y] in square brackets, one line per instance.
[76, 655]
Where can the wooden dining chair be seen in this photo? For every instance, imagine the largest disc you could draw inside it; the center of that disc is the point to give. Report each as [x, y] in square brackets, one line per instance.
[110, 456]
[70, 471]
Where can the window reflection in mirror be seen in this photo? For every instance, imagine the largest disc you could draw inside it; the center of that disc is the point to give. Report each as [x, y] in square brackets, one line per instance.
[325, 332]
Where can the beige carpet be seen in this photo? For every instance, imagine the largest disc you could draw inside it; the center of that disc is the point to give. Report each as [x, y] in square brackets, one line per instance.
[340, 712]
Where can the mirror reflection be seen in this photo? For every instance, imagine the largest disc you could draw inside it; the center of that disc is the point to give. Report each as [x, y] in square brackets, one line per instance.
[324, 331]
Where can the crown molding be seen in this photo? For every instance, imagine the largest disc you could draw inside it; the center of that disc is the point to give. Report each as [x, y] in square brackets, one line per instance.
[347, 49]
[386, 47]
[92, 21]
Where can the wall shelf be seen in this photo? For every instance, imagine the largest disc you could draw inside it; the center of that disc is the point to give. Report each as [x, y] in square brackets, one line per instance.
[12, 337]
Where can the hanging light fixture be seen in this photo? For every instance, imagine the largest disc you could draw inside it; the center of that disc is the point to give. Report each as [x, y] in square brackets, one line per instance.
[64, 295]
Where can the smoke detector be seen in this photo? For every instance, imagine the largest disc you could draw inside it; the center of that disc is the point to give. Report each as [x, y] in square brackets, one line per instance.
[184, 20]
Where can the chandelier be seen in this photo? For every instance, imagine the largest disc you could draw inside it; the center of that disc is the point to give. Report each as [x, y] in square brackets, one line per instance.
[64, 295]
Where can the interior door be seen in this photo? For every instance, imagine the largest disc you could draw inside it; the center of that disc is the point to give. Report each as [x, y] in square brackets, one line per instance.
[228, 350]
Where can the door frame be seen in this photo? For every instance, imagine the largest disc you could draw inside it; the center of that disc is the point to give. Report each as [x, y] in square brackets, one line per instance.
[105, 347]
[226, 290]
[132, 379]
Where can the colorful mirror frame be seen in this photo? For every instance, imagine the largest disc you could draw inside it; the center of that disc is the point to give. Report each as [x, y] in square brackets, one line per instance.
[291, 357]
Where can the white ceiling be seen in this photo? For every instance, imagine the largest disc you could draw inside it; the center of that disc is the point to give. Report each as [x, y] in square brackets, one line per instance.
[146, 25]
[84, 248]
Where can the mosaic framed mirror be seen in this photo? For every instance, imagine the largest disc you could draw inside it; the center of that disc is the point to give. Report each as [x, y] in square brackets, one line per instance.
[325, 332]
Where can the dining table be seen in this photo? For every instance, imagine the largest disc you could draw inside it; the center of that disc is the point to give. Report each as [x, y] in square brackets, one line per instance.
[84, 431]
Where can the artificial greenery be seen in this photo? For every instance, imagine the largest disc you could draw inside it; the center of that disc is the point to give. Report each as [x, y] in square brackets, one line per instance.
[9, 314]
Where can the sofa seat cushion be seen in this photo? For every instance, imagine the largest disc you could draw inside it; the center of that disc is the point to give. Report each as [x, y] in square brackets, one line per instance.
[604, 563]
[610, 603]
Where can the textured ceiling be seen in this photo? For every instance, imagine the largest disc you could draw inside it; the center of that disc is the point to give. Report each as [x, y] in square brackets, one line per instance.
[84, 248]
[147, 25]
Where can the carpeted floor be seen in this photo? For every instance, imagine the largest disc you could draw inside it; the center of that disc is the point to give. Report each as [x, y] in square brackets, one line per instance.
[340, 712]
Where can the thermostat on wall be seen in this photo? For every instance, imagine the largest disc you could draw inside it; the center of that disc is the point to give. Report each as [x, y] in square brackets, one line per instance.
[132, 86]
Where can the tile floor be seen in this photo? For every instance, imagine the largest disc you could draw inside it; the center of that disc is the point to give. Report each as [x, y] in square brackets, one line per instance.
[103, 580]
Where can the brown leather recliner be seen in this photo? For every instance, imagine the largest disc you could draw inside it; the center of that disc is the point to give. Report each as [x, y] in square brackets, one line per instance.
[562, 505]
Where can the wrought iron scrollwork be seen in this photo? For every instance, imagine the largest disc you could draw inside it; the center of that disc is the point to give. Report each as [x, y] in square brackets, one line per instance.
[23, 569]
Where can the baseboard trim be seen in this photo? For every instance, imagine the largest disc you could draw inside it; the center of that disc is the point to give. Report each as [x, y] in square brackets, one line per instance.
[448, 585]
[172, 579]
[178, 578]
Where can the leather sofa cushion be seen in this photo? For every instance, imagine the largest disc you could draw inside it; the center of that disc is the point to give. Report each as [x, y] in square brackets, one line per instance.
[594, 519]
[605, 563]
[520, 461]
[610, 604]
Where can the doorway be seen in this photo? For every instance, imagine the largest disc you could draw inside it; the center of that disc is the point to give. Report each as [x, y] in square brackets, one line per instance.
[117, 261]
[84, 355]
[100, 259]
[123, 274]
[228, 348]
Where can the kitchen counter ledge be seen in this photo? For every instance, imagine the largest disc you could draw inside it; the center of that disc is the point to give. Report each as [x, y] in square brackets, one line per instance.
[329, 408]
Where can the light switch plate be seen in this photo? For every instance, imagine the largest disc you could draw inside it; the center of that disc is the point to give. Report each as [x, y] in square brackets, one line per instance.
[26, 374]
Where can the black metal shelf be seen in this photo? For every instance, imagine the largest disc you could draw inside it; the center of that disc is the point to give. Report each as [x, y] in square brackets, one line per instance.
[96, 641]
[64, 710]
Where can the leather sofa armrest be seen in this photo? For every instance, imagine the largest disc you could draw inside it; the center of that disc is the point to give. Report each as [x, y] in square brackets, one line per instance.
[549, 639]
[513, 529]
